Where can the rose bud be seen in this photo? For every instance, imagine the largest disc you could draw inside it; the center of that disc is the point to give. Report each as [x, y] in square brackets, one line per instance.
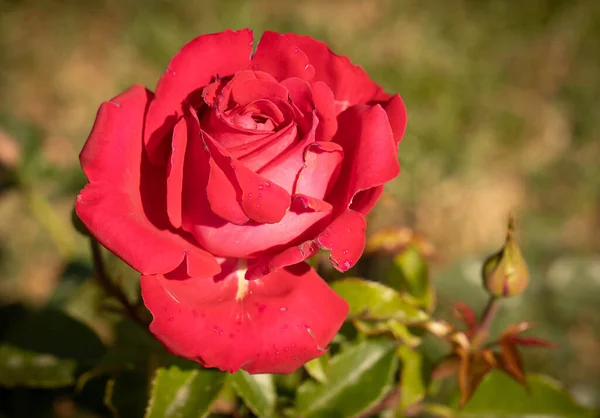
[219, 185]
[505, 273]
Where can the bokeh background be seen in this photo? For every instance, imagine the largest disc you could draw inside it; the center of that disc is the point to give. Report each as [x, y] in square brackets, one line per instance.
[504, 115]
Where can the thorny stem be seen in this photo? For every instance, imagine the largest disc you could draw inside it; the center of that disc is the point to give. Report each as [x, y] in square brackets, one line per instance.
[110, 287]
[482, 331]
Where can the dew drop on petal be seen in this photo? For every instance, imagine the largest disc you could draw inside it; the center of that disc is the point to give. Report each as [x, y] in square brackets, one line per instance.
[171, 318]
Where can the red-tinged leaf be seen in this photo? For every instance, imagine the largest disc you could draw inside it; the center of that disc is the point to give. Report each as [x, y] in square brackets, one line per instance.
[472, 369]
[515, 329]
[481, 364]
[533, 342]
[446, 367]
[511, 361]
[465, 314]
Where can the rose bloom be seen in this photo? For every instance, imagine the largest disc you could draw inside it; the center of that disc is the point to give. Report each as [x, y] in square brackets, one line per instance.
[218, 186]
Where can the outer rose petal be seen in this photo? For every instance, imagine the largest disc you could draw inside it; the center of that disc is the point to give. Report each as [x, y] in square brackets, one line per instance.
[111, 204]
[271, 325]
[364, 201]
[350, 83]
[396, 112]
[188, 72]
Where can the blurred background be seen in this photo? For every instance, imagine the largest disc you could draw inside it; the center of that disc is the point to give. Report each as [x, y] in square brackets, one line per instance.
[504, 115]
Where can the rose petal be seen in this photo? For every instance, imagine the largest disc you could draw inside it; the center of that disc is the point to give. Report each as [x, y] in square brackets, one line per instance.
[300, 93]
[288, 257]
[370, 153]
[325, 104]
[248, 91]
[271, 325]
[111, 204]
[218, 95]
[345, 238]
[277, 144]
[284, 169]
[279, 56]
[175, 172]
[350, 83]
[229, 240]
[365, 200]
[396, 112]
[205, 184]
[322, 164]
[301, 99]
[189, 71]
[262, 200]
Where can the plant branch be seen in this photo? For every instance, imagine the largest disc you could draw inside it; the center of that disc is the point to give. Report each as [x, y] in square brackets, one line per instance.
[110, 287]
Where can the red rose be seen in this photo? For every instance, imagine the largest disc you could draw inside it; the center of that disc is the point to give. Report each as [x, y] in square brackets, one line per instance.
[217, 187]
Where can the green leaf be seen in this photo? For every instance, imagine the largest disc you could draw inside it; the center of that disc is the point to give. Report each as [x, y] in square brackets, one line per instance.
[410, 275]
[126, 394]
[54, 332]
[376, 301]
[399, 331]
[412, 388]
[317, 368]
[257, 391]
[21, 368]
[180, 393]
[134, 350]
[358, 378]
[499, 395]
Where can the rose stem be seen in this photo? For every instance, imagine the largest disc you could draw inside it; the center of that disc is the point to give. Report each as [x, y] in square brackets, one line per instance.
[482, 331]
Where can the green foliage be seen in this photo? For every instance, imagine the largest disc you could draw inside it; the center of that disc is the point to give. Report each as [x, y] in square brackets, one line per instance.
[358, 378]
[318, 368]
[22, 368]
[412, 386]
[257, 391]
[180, 393]
[54, 332]
[372, 300]
[126, 394]
[410, 275]
[500, 396]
